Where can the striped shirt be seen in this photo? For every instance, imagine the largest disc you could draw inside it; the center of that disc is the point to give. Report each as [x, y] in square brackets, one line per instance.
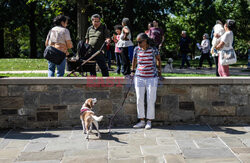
[146, 62]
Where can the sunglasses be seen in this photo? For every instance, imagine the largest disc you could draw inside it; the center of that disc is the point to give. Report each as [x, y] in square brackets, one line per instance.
[139, 42]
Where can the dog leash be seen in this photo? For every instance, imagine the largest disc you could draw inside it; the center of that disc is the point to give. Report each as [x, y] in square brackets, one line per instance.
[130, 85]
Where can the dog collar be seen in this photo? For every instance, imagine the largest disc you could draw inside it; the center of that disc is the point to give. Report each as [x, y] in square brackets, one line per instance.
[83, 109]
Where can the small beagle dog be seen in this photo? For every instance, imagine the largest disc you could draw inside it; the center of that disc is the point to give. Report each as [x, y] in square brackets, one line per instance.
[88, 117]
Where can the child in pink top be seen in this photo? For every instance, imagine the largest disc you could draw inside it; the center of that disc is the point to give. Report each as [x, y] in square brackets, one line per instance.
[116, 38]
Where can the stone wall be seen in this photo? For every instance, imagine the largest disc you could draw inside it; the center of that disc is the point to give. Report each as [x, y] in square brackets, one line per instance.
[56, 102]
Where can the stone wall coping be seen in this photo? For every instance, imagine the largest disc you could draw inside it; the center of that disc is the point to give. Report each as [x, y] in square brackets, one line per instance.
[121, 80]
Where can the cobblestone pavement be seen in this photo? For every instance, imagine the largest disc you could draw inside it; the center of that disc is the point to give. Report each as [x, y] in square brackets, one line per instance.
[233, 71]
[171, 144]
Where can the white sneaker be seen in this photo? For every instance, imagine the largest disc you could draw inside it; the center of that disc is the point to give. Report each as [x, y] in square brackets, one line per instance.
[139, 125]
[148, 125]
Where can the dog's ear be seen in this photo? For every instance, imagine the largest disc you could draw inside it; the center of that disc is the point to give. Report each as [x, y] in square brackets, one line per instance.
[89, 103]
[94, 100]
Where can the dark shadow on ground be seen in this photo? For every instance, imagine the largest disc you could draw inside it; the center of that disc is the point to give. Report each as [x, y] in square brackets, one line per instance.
[107, 135]
[3, 76]
[25, 134]
[207, 128]
[112, 136]
[30, 134]
[228, 130]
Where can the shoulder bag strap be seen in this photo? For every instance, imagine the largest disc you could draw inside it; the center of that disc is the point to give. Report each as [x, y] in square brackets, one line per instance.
[49, 36]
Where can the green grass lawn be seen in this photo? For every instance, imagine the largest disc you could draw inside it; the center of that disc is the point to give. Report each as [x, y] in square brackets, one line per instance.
[46, 75]
[195, 63]
[113, 75]
[24, 75]
[19, 64]
[99, 75]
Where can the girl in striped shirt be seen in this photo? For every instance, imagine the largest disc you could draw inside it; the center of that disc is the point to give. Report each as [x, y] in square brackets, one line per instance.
[146, 74]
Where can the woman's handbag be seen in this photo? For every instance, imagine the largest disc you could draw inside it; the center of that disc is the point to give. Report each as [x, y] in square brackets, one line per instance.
[54, 55]
[228, 57]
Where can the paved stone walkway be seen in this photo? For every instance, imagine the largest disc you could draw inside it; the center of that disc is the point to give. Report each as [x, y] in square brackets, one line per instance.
[24, 72]
[171, 144]
[233, 71]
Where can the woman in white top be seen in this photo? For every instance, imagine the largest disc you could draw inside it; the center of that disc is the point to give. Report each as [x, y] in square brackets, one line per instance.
[59, 37]
[226, 43]
[205, 51]
[124, 43]
[218, 31]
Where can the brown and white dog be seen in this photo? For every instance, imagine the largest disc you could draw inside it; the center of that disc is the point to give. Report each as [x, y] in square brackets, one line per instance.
[88, 117]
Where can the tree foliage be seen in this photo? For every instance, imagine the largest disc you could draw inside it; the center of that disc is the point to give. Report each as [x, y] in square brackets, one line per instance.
[25, 23]
[239, 11]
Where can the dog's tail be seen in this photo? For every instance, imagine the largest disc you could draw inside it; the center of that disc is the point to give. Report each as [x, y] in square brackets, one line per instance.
[98, 119]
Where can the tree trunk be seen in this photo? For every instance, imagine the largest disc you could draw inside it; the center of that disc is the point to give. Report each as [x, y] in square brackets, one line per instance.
[33, 31]
[128, 10]
[82, 19]
[2, 52]
[128, 13]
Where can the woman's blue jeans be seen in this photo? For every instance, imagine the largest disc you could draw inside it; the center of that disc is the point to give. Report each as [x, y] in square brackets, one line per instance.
[60, 69]
[130, 52]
